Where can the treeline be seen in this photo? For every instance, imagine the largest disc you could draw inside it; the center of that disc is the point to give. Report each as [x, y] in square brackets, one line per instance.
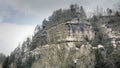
[59, 16]
[12, 62]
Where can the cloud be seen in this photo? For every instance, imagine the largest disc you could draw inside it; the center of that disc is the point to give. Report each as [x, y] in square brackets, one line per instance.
[15, 26]
[44, 8]
[9, 14]
[12, 34]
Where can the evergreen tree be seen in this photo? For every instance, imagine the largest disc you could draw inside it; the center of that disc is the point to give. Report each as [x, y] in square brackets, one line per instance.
[19, 63]
[29, 62]
[6, 63]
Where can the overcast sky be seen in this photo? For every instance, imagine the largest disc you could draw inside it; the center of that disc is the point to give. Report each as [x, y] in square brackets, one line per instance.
[19, 17]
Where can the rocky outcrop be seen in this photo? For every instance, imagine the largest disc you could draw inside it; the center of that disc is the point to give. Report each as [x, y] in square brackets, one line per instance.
[63, 43]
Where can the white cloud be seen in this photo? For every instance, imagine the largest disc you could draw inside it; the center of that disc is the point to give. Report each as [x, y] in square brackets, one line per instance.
[12, 34]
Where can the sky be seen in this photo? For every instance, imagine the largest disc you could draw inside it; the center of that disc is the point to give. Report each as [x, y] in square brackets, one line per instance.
[18, 18]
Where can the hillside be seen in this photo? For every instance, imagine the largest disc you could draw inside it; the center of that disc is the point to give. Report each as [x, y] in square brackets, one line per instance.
[68, 39]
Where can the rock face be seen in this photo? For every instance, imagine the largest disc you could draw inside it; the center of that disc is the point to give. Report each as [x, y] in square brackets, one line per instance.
[71, 31]
[77, 28]
[80, 30]
[62, 57]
